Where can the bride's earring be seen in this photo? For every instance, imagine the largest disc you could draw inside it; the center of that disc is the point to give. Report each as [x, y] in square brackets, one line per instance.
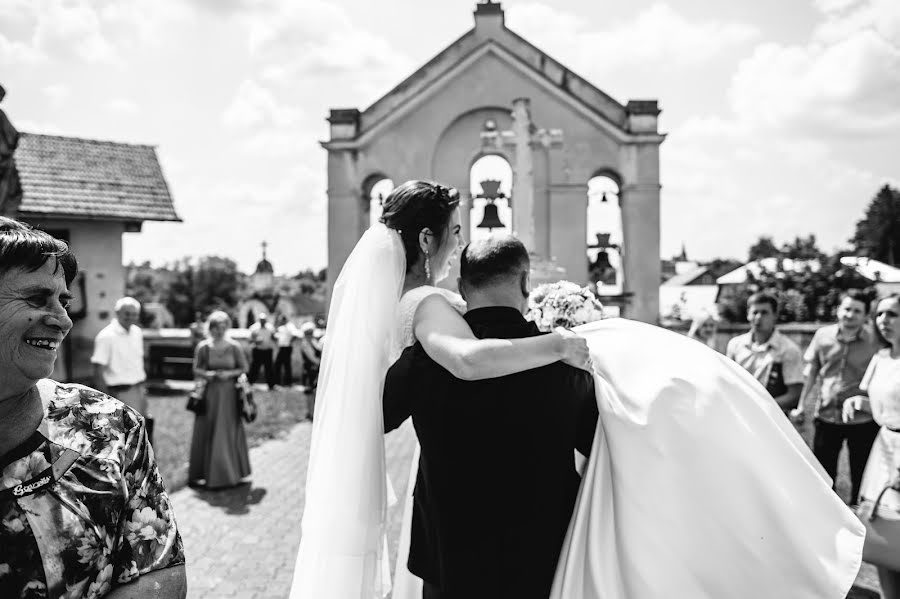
[427, 266]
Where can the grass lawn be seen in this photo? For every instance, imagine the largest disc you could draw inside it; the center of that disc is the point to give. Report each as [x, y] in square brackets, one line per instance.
[279, 410]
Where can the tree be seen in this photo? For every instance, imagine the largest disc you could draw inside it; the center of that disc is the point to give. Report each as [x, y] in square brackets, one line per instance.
[807, 292]
[802, 248]
[203, 285]
[763, 248]
[878, 233]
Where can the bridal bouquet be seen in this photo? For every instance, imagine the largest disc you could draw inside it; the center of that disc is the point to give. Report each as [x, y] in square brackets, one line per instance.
[562, 304]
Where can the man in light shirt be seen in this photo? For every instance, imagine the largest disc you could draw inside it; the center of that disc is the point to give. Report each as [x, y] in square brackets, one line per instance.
[773, 359]
[262, 344]
[118, 359]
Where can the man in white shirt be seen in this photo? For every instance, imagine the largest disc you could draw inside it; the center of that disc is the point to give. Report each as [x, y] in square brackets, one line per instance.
[119, 359]
[773, 359]
[262, 343]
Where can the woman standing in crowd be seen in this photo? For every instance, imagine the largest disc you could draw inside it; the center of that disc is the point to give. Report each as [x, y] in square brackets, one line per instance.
[882, 382]
[703, 328]
[219, 456]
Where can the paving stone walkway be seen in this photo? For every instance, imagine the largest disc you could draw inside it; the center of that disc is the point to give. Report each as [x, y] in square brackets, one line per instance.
[241, 543]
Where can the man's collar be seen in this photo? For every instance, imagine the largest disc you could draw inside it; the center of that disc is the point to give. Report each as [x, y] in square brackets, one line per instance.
[860, 335]
[495, 315]
[770, 341]
[120, 327]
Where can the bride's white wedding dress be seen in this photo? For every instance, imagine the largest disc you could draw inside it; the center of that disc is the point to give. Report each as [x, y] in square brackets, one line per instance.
[697, 486]
[407, 584]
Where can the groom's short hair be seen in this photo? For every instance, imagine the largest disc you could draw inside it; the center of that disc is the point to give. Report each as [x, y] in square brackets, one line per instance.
[489, 261]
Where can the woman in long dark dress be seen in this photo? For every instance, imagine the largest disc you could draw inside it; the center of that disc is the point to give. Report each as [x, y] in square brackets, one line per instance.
[219, 456]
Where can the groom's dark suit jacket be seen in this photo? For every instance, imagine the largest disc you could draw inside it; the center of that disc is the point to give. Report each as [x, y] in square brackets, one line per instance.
[497, 482]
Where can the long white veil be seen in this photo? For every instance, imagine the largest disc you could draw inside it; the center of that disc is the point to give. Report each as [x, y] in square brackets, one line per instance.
[343, 548]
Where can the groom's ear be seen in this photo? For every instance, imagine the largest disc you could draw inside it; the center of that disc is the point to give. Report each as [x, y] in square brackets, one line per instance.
[525, 283]
[461, 288]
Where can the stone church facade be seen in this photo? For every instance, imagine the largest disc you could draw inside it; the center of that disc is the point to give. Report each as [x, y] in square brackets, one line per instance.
[430, 127]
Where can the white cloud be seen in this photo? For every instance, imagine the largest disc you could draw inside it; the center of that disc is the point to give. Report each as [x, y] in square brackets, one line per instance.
[57, 93]
[315, 49]
[658, 33]
[122, 106]
[845, 81]
[255, 104]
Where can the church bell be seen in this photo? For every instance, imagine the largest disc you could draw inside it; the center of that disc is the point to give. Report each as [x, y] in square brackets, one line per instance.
[491, 218]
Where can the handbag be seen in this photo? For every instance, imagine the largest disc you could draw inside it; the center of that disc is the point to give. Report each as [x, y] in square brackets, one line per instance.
[882, 546]
[196, 402]
[246, 405]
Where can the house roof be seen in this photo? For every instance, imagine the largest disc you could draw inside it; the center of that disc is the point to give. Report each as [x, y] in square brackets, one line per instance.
[85, 178]
[873, 270]
[686, 278]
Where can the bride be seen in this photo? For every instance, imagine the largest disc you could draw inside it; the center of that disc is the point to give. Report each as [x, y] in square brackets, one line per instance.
[696, 487]
[343, 549]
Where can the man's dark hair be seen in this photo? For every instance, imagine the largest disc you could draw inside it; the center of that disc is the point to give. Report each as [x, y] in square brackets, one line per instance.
[857, 295]
[22, 246]
[763, 297]
[492, 260]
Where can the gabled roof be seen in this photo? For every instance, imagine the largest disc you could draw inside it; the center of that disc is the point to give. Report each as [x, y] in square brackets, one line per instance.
[490, 35]
[686, 278]
[874, 270]
[739, 274]
[85, 178]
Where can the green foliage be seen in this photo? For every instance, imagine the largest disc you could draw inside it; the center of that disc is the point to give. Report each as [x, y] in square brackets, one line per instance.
[809, 292]
[203, 285]
[878, 233]
[763, 248]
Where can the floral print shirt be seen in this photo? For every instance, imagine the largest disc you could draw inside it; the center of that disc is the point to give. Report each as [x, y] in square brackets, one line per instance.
[83, 508]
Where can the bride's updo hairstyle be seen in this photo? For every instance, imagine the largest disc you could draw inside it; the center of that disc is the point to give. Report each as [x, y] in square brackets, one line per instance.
[417, 205]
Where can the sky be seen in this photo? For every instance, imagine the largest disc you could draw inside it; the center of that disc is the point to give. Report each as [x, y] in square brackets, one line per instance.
[782, 116]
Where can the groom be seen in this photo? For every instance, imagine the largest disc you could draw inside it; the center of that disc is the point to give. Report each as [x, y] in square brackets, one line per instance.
[497, 482]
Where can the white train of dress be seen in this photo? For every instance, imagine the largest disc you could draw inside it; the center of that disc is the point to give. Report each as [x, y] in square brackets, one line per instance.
[697, 486]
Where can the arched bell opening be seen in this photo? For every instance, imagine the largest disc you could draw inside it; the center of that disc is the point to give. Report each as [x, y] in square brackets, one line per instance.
[490, 184]
[375, 190]
[604, 235]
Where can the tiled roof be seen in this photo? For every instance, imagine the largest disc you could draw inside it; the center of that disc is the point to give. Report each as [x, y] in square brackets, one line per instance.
[84, 178]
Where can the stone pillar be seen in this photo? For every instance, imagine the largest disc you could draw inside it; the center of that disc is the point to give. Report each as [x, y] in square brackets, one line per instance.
[542, 215]
[640, 250]
[523, 175]
[346, 216]
[568, 229]
[639, 200]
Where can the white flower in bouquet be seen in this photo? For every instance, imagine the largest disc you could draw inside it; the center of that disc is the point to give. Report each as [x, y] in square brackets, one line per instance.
[562, 304]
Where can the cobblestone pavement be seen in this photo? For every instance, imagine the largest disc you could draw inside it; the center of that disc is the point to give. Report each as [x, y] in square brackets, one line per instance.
[241, 543]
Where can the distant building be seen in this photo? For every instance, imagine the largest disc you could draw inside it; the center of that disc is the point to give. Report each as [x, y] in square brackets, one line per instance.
[88, 193]
[885, 277]
[275, 296]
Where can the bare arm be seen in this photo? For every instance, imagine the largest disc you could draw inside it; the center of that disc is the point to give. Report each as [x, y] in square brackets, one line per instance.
[169, 583]
[449, 341]
[99, 382]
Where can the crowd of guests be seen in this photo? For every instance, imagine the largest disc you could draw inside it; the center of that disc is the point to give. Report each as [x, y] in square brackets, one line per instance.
[848, 379]
[64, 445]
